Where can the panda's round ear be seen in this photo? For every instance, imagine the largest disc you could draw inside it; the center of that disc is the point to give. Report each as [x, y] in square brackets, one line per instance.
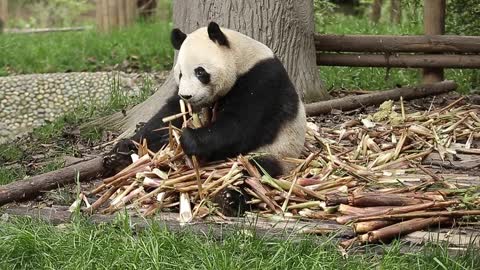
[216, 34]
[177, 37]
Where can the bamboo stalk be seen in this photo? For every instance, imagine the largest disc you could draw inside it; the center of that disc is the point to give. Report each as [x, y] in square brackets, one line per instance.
[424, 214]
[392, 211]
[197, 174]
[367, 226]
[401, 228]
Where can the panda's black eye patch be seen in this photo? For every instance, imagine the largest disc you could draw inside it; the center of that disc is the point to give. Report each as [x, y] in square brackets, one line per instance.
[180, 76]
[202, 75]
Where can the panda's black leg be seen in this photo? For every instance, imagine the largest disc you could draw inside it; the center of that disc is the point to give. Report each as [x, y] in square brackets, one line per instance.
[268, 163]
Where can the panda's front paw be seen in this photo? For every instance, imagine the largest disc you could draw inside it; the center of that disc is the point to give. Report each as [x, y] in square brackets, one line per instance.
[189, 142]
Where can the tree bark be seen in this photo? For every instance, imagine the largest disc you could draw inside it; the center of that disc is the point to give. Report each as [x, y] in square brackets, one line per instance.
[287, 27]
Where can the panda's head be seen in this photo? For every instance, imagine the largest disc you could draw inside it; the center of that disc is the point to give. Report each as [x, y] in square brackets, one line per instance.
[205, 69]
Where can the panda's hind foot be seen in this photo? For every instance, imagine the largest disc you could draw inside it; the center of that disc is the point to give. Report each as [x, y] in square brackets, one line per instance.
[119, 157]
[232, 202]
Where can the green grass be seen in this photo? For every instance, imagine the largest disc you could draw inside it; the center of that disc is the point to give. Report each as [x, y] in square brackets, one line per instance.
[28, 244]
[145, 46]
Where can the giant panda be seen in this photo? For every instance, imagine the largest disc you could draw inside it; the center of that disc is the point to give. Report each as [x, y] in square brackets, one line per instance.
[258, 110]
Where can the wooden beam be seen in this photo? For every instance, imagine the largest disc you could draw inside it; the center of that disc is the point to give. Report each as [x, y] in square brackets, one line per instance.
[214, 226]
[353, 102]
[399, 60]
[434, 24]
[390, 43]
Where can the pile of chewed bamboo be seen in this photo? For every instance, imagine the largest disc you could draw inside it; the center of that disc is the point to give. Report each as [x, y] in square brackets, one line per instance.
[367, 174]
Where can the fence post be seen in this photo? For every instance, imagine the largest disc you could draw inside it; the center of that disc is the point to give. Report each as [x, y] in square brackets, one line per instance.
[3, 14]
[434, 24]
[113, 14]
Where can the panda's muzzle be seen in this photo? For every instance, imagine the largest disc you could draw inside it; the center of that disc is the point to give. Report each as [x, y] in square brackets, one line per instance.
[186, 97]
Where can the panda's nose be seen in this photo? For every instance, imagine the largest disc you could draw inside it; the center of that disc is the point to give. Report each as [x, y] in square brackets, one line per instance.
[186, 97]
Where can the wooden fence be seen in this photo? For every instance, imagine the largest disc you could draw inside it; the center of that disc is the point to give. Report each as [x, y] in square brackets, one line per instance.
[431, 52]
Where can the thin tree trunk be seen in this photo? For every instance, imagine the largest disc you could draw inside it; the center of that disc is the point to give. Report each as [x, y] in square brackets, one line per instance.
[376, 10]
[285, 26]
[3, 14]
[396, 11]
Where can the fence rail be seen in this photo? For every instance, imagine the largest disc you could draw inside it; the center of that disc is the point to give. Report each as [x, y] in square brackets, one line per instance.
[399, 60]
[389, 43]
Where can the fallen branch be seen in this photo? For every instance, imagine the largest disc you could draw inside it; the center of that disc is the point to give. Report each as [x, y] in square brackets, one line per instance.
[358, 101]
[34, 185]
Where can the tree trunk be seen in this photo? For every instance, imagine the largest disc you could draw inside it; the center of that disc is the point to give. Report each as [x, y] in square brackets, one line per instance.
[396, 11]
[376, 10]
[113, 14]
[3, 14]
[285, 26]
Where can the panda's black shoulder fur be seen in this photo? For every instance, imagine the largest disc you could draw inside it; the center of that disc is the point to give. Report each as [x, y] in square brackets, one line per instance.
[249, 116]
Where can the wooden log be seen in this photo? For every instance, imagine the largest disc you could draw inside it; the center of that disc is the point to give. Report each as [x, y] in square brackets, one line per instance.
[354, 102]
[434, 24]
[399, 60]
[392, 44]
[214, 226]
[34, 185]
